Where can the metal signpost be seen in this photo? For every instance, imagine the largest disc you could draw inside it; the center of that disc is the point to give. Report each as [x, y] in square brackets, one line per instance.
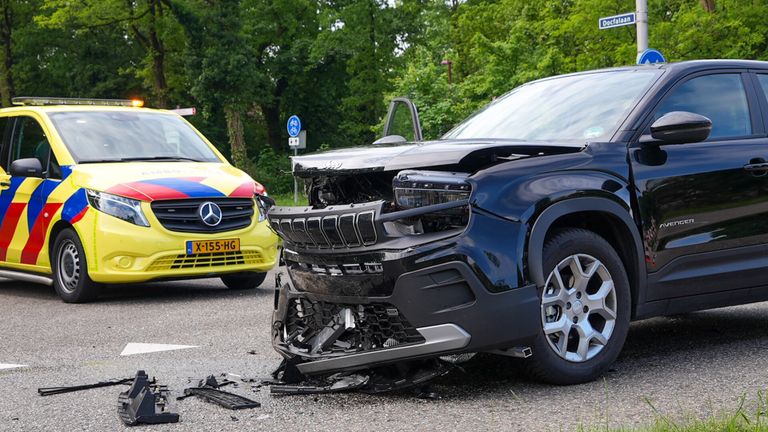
[297, 140]
[642, 25]
[640, 18]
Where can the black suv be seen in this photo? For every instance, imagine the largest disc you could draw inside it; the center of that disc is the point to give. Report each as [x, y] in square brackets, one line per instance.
[537, 228]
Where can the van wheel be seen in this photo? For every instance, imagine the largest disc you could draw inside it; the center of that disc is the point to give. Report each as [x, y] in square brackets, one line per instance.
[70, 269]
[244, 280]
[585, 308]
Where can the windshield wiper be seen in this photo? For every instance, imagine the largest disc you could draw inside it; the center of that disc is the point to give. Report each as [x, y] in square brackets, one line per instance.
[159, 158]
[139, 159]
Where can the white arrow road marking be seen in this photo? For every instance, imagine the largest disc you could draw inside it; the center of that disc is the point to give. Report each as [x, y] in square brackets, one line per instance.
[142, 348]
[10, 366]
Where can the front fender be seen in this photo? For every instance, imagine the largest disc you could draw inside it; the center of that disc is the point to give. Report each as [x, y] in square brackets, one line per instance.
[548, 216]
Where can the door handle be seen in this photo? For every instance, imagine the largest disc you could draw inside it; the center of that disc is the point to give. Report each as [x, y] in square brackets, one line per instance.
[756, 164]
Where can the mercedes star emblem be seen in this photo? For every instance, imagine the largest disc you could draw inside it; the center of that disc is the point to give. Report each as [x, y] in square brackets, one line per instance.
[210, 213]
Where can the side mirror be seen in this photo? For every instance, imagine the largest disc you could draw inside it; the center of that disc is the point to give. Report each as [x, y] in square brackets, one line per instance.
[680, 127]
[29, 167]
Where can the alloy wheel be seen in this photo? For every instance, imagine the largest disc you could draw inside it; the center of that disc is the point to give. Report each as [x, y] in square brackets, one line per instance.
[578, 308]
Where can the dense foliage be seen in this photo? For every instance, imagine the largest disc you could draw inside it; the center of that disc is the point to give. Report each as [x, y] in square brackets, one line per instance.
[248, 64]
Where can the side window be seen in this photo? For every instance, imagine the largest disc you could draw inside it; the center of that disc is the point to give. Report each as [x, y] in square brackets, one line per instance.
[54, 169]
[720, 97]
[29, 141]
[4, 132]
[763, 79]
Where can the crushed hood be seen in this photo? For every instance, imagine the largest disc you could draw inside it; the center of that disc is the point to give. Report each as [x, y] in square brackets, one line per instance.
[416, 155]
[150, 181]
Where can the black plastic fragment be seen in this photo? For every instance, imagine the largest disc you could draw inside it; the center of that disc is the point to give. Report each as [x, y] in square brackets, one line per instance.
[406, 375]
[144, 403]
[49, 391]
[208, 390]
[220, 397]
[288, 373]
[331, 384]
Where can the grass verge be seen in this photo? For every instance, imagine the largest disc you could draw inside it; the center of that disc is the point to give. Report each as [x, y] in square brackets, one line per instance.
[748, 416]
[287, 199]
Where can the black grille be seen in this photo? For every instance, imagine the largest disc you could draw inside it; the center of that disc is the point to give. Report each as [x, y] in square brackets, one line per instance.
[346, 230]
[183, 215]
[376, 325]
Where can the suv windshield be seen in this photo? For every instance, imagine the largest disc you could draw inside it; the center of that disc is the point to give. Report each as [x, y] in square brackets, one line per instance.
[114, 136]
[584, 107]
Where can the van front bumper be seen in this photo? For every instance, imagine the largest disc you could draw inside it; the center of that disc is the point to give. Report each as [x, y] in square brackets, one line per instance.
[120, 252]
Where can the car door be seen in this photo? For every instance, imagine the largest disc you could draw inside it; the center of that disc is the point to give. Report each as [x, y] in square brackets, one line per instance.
[402, 122]
[23, 228]
[703, 210]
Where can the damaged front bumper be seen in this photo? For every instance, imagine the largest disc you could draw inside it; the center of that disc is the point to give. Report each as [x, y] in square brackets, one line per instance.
[386, 297]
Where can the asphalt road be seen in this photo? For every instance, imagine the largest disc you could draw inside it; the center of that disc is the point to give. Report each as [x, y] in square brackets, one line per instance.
[691, 364]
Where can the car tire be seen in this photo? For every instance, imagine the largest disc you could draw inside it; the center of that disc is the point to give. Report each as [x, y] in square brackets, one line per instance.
[244, 280]
[578, 344]
[70, 269]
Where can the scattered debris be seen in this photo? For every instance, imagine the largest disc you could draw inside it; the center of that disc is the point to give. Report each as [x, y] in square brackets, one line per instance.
[331, 384]
[399, 376]
[405, 375]
[208, 390]
[49, 391]
[145, 403]
[262, 417]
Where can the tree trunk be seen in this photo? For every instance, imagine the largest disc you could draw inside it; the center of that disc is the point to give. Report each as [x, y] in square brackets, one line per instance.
[6, 55]
[236, 137]
[157, 51]
[708, 5]
[271, 115]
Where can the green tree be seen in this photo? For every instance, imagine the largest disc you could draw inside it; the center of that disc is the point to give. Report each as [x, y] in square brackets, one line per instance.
[15, 15]
[148, 23]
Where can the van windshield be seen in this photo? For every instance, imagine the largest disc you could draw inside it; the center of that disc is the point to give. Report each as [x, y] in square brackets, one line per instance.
[119, 136]
[580, 108]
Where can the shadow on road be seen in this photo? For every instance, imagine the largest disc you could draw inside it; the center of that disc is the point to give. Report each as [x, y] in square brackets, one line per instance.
[652, 346]
[142, 293]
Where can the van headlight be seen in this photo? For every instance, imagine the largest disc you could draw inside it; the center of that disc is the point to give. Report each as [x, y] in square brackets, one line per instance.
[123, 208]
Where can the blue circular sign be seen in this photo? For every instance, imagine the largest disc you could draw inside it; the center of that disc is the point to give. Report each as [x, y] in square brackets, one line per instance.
[650, 56]
[294, 126]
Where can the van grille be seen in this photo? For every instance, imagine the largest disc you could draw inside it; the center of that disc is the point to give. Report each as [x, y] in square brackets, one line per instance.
[183, 215]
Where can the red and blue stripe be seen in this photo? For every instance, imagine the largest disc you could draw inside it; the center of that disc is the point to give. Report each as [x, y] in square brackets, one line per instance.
[75, 207]
[176, 188]
[11, 213]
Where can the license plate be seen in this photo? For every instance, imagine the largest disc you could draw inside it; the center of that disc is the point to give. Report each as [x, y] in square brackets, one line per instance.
[195, 247]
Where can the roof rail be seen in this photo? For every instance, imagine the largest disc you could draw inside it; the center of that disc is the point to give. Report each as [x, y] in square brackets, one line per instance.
[42, 101]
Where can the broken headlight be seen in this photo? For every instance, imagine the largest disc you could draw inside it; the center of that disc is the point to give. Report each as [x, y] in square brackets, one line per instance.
[413, 189]
[422, 188]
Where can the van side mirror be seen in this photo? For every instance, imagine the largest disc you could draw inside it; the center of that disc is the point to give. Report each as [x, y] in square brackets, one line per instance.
[29, 167]
[680, 127]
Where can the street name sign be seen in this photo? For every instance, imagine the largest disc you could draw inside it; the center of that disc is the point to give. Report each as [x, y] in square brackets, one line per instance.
[616, 21]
